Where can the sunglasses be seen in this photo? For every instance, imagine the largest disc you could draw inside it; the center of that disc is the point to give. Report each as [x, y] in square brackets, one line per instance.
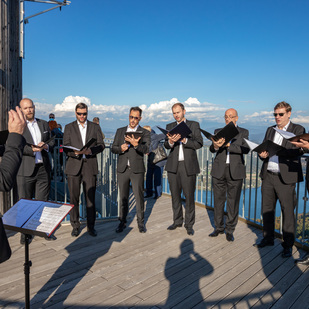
[278, 114]
[132, 117]
[79, 114]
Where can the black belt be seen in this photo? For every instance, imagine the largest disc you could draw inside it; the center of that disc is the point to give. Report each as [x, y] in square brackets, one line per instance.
[273, 173]
[39, 164]
[84, 160]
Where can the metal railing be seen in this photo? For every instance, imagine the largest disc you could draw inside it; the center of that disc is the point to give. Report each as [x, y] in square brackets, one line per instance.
[250, 205]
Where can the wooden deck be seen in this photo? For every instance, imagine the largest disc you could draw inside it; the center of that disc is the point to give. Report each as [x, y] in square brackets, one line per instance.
[159, 269]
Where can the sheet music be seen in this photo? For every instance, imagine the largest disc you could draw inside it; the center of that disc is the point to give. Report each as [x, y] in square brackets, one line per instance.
[285, 134]
[251, 145]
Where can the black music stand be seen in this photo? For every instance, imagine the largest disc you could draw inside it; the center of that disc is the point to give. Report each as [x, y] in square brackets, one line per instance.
[34, 218]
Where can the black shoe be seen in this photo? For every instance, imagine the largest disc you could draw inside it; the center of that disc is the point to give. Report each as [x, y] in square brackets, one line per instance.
[215, 233]
[174, 226]
[121, 227]
[23, 239]
[92, 232]
[229, 237]
[75, 231]
[287, 252]
[147, 195]
[190, 231]
[142, 229]
[303, 261]
[51, 237]
[264, 243]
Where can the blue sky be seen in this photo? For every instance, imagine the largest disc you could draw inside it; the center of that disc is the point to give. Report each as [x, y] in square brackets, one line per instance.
[210, 54]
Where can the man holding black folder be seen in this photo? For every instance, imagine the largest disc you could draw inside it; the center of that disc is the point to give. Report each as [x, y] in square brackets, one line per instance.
[182, 167]
[33, 178]
[228, 172]
[279, 174]
[82, 165]
[131, 143]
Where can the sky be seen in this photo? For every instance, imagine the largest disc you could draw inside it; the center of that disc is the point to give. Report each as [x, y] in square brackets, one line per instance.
[209, 54]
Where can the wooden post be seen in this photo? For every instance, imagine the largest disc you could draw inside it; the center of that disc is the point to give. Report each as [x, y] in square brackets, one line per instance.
[10, 70]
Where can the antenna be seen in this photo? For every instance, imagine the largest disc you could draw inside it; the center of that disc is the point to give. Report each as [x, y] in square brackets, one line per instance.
[24, 20]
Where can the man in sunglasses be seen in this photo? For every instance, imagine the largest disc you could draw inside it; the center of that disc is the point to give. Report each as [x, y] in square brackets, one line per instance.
[131, 150]
[82, 166]
[279, 174]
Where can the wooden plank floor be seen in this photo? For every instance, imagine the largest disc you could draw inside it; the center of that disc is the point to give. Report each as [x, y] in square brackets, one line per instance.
[159, 269]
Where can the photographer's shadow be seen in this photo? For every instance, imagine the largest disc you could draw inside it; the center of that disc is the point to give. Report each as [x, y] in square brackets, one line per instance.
[187, 269]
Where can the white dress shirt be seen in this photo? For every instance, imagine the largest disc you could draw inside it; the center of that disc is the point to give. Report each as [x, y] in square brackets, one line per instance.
[83, 131]
[37, 138]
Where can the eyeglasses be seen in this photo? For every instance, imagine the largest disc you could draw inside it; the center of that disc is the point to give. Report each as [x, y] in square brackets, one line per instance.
[79, 114]
[132, 117]
[229, 117]
[278, 114]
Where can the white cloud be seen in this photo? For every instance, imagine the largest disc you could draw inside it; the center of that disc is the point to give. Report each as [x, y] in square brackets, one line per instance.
[300, 119]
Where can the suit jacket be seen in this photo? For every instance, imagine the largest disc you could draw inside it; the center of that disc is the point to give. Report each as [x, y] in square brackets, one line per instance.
[194, 142]
[28, 162]
[289, 158]
[9, 166]
[135, 156]
[237, 148]
[72, 137]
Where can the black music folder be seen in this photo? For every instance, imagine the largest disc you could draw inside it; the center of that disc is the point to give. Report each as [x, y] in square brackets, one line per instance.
[87, 145]
[228, 133]
[269, 146]
[29, 144]
[291, 137]
[181, 129]
[135, 134]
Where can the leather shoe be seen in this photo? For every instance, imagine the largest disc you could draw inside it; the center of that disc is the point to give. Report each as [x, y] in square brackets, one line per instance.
[92, 232]
[174, 226]
[142, 229]
[264, 243]
[190, 231]
[215, 233]
[303, 261]
[148, 195]
[229, 237]
[287, 252]
[75, 231]
[121, 227]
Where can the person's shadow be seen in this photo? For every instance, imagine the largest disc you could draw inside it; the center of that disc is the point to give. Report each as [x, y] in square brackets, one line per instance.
[186, 270]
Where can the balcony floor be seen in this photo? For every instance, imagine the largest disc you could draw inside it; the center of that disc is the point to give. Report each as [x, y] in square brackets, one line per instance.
[159, 269]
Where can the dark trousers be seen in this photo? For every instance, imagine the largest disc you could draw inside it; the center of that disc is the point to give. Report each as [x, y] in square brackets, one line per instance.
[154, 179]
[35, 186]
[178, 182]
[226, 190]
[273, 188]
[88, 180]
[137, 181]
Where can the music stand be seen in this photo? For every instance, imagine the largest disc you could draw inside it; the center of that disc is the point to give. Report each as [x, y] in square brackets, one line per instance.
[37, 218]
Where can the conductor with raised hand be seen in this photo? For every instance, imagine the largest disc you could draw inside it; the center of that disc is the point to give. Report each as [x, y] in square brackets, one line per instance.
[9, 166]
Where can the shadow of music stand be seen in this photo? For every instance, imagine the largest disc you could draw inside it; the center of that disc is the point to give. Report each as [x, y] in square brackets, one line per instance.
[34, 218]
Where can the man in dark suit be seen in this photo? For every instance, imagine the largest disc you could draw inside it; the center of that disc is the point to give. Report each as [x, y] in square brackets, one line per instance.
[82, 166]
[279, 174]
[9, 166]
[131, 167]
[33, 178]
[182, 167]
[228, 172]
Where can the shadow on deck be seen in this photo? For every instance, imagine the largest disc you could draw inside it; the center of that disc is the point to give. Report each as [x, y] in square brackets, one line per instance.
[159, 269]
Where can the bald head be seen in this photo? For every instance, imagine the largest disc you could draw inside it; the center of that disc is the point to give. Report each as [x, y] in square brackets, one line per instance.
[27, 108]
[231, 115]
